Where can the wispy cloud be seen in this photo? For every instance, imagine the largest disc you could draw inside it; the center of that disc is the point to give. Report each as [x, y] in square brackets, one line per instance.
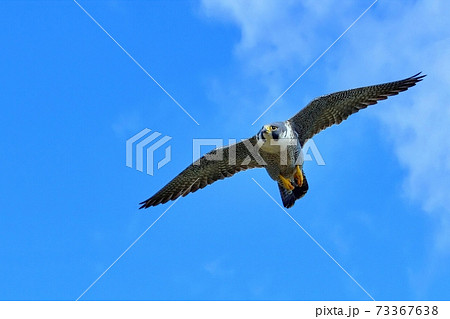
[418, 125]
[274, 36]
[276, 44]
[277, 41]
[395, 41]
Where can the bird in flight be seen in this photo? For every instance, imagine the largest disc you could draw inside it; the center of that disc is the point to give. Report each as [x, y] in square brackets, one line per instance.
[277, 147]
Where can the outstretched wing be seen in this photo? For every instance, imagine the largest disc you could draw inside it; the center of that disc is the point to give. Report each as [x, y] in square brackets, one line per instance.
[333, 108]
[218, 164]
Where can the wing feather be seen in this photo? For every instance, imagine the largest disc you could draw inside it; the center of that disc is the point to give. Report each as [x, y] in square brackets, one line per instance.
[334, 108]
[206, 171]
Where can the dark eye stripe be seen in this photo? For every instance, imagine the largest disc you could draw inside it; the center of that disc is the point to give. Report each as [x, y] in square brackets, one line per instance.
[275, 136]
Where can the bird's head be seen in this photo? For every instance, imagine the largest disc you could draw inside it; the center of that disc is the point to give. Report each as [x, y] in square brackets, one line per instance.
[273, 131]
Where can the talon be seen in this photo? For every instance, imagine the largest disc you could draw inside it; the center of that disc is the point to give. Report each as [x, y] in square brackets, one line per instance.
[286, 183]
[298, 176]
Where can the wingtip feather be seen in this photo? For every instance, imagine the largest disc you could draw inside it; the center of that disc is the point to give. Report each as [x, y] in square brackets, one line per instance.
[145, 204]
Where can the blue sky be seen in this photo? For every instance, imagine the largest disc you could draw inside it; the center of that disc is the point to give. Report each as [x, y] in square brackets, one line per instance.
[71, 98]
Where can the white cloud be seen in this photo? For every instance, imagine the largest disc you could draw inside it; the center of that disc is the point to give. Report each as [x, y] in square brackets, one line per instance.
[277, 43]
[277, 38]
[417, 37]
[401, 39]
[393, 40]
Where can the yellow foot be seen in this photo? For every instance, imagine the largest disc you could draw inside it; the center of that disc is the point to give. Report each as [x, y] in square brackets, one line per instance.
[298, 175]
[287, 183]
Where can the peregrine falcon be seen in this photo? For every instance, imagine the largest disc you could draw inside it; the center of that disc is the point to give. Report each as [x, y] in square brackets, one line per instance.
[277, 147]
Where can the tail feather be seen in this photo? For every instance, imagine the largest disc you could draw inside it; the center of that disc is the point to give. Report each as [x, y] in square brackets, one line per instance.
[289, 197]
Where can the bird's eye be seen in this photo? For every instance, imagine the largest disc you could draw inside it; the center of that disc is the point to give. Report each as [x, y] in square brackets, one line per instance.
[274, 128]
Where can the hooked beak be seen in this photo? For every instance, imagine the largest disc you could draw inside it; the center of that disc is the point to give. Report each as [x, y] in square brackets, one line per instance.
[266, 129]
